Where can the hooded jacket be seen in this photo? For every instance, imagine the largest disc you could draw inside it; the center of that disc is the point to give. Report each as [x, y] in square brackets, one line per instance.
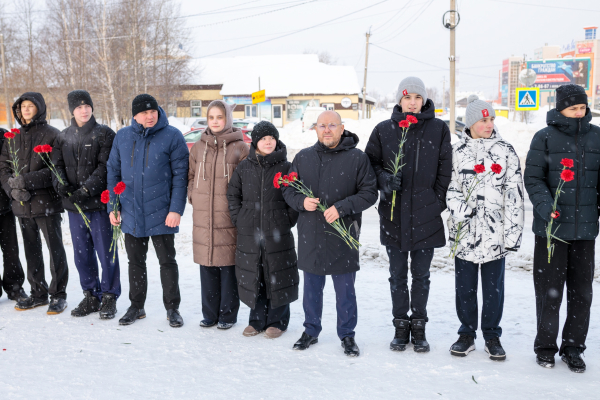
[340, 177]
[153, 163]
[576, 139]
[213, 159]
[264, 224]
[493, 217]
[5, 200]
[44, 200]
[417, 222]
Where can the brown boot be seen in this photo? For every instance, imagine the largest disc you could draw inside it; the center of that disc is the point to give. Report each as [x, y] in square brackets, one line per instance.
[250, 331]
[273, 333]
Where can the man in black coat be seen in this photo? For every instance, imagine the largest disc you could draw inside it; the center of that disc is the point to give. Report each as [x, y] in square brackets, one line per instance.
[341, 178]
[80, 155]
[13, 275]
[416, 228]
[36, 204]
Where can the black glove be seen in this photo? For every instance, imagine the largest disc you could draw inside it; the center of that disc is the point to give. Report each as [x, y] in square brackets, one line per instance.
[20, 194]
[65, 190]
[394, 182]
[17, 182]
[79, 196]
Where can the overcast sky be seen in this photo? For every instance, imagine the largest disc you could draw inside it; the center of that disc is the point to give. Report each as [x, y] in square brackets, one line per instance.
[489, 31]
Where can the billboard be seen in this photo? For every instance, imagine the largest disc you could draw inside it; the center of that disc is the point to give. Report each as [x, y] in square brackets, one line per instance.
[295, 108]
[554, 73]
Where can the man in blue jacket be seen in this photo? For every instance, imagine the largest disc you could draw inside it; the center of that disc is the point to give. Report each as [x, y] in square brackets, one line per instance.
[151, 158]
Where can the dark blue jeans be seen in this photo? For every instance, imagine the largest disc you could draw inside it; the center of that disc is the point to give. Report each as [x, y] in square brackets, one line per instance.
[345, 300]
[89, 242]
[492, 285]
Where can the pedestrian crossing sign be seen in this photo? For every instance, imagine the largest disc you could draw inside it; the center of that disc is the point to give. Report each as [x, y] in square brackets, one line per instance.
[527, 99]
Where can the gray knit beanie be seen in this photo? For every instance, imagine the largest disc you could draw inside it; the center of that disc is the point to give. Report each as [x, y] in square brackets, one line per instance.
[476, 110]
[411, 84]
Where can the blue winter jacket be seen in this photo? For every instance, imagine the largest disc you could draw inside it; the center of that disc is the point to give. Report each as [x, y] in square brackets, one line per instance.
[153, 163]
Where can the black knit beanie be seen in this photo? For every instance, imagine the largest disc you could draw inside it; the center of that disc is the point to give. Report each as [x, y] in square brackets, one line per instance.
[262, 129]
[570, 95]
[143, 102]
[77, 98]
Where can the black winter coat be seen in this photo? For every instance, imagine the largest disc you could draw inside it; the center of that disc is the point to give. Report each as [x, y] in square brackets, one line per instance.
[573, 138]
[80, 156]
[340, 177]
[44, 200]
[4, 198]
[264, 229]
[417, 222]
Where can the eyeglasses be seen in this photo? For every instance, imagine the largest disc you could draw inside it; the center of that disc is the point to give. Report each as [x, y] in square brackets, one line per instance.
[331, 127]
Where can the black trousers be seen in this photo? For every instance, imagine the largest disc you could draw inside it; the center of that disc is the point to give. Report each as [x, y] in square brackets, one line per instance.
[573, 264]
[13, 276]
[264, 316]
[32, 243]
[220, 298]
[420, 262]
[137, 250]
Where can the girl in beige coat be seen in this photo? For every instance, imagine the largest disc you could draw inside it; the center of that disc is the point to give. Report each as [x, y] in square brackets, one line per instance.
[212, 161]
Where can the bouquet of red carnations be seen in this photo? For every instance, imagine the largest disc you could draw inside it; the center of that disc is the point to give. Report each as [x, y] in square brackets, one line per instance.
[117, 232]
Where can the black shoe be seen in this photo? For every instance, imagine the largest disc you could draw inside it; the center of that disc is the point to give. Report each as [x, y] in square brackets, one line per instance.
[572, 356]
[545, 361]
[495, 350]
[350, 347]
[90, 304]
[57, 306]
[108, 308]
[18, 295]
[305, 341]
[175, 320]
[402, 336]
[225, 325]
[463, 346]
[207, 323]
[30, 302]
[132, 315]
[417, 330]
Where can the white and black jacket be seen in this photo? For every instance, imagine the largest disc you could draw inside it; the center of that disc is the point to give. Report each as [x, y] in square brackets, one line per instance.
[493, 216]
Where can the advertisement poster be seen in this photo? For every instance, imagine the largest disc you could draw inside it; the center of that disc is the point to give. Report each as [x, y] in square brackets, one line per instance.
[504, 86]
[295, 108]
[554, 73]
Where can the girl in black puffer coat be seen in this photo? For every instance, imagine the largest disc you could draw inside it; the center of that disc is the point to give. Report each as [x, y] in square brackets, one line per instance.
[265, 263]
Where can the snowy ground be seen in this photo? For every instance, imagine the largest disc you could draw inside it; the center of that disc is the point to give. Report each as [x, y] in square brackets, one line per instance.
[74, 358]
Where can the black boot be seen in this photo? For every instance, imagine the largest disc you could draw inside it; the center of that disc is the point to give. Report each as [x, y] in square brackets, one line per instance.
[350, 347]
[495, 350]
[207, 323]
[87, 306]
[305, 341]
[225, 325]
[132, 315]
[572, 356]
[463, 346]
[174, 318]
[30, 302]
[108, 308]
[545, 361]
[417, 330]
[18, 295]
[57, 306]
[402, 336]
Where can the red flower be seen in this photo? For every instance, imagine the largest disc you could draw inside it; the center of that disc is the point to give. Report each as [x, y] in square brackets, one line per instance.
[38, 149]
[567, 175]
[105, 197]
[9, 135]
[404, 124]
[16, 131]
[276, 180]
[496, 168]
[293, 176]
[412, 119]
[479, 168]
[567, 162]
[119, 188]
[556, 214]
[285, 181]
[46, 148]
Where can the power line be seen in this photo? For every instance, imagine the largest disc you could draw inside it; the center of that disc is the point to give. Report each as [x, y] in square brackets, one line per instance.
[545, 6]
[393, 16]
[405, 27]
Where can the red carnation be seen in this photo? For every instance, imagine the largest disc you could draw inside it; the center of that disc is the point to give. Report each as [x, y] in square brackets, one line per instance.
[276, 180]
[404, 124]
[293, 176]
[15, 131]
[412, 119]
[9, 135]
[567, 162]
[556, 214]
[567, 175]
[496, 168]
[46, 148]
[38, 149]
[285, 181]
[479, 168]
[105, 197]
[119, 188]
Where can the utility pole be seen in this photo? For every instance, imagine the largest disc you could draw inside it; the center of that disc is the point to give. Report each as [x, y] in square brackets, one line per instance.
[7, 106]
[364, 89]
[444, 94]
[452, 66]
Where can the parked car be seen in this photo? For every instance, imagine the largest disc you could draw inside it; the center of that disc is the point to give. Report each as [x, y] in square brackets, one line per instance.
[194, 135]
[460, 127]
[309, 118]
[199, 124]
